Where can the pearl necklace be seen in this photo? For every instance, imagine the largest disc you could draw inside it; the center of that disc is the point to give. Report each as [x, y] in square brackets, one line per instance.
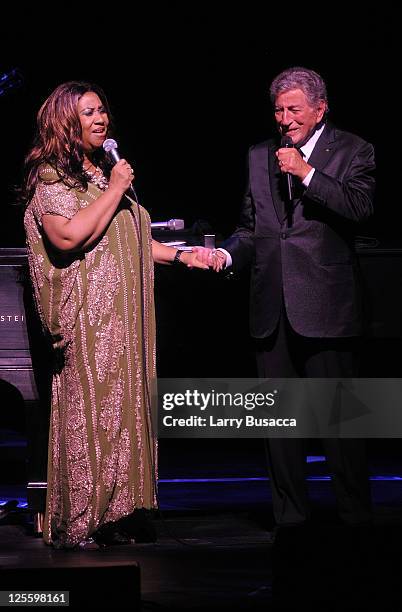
[97, 178]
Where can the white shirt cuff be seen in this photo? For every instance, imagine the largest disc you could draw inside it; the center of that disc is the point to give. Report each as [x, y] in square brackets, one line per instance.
[228, 257]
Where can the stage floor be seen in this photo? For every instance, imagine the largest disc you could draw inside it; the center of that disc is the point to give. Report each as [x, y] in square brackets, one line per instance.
[217, 550]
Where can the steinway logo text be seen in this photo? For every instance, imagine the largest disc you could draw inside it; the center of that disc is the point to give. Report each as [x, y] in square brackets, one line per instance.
[11, 318]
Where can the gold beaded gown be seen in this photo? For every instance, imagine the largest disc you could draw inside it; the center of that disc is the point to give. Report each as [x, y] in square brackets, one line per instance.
[97, 305]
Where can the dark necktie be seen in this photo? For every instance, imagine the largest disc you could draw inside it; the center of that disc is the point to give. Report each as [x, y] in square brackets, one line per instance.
[298, 187]
[298, 191]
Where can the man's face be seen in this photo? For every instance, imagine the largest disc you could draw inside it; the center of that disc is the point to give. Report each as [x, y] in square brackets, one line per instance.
[295, 117]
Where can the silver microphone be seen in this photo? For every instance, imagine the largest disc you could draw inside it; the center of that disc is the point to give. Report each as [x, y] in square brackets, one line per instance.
[110, 147]
[172, 224]
[286, 142]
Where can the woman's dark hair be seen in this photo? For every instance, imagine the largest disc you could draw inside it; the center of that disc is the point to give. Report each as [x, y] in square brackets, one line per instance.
[58, 140]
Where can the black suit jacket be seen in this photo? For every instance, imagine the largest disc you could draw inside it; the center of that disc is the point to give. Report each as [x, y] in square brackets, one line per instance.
[312, 264]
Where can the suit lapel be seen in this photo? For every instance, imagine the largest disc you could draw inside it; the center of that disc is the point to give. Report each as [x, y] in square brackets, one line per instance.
[324, 148]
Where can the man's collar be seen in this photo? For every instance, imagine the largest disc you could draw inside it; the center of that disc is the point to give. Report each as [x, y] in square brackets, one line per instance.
[308, 147]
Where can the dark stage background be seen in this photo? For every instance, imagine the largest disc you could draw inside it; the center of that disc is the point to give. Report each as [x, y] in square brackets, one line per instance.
[188, 89]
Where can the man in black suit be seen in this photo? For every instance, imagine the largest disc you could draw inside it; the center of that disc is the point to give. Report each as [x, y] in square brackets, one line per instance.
[304, 201]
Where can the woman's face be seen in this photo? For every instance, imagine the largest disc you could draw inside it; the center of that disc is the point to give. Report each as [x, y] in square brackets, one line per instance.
[94, 121]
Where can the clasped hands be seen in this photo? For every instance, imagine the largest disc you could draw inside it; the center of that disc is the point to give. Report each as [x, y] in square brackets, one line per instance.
[210, 257]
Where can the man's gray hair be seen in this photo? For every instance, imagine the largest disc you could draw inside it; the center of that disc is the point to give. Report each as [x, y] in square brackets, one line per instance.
[310, 82]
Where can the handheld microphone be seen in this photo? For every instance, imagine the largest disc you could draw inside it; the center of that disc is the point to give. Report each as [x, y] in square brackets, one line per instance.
[286, 142]
[110, 147]
[172, 224]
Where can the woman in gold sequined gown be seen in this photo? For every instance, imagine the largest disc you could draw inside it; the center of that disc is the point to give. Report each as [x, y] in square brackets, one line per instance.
[91, 259]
